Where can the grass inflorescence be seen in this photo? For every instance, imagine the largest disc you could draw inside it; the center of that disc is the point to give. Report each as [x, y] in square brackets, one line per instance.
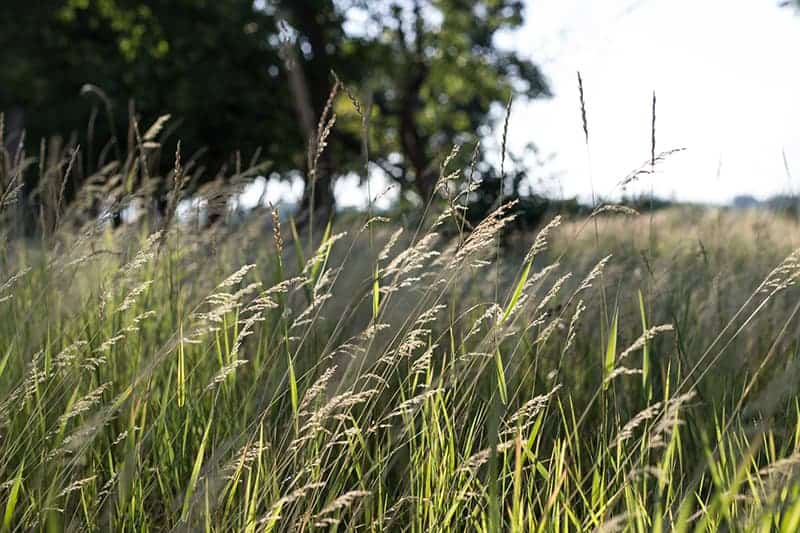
[157, 377]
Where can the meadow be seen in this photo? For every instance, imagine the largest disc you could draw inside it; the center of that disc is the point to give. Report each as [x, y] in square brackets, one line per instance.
[611, 372]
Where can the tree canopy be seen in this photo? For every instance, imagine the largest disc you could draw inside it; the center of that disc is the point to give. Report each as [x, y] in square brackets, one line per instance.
[209, 63]
[418, 76]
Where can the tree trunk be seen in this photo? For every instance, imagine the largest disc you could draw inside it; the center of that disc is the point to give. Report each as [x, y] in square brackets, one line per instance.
[413, 142]
[310, 80]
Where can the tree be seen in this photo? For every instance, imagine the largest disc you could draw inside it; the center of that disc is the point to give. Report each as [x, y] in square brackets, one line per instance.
[319, 48]
[213, 64]
[430, 68]
[418, 75]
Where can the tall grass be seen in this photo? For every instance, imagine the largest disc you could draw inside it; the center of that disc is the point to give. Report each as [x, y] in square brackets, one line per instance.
[157, 377]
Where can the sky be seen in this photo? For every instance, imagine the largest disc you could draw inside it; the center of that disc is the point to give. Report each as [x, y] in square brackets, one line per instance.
[727, 84]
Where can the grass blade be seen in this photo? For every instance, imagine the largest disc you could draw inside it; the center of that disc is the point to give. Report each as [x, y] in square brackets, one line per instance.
[198, 463]
[13, 496]
[376, 294]
[611, 350]
[523, 278]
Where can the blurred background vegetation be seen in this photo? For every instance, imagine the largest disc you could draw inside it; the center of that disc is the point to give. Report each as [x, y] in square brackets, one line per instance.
[247, 80]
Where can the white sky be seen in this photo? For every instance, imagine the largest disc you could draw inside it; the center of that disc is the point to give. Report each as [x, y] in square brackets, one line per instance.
[727, 81]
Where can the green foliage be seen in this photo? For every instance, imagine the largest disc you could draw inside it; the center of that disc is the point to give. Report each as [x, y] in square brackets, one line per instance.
[436, 79]
[210, 64]
[201, 381]
[254, 79]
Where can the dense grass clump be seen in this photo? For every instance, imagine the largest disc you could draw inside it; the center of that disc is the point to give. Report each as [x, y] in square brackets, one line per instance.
[638, 376]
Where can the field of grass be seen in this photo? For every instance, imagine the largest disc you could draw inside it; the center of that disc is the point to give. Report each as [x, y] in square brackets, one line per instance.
[610, 372]
[620, 372]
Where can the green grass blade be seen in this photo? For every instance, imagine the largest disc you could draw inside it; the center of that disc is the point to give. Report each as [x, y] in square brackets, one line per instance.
[376, 294]
[501, 377]
[6, 357]
[611, 350]
[646, 386]
[293, 386]
[791, 518]
[321, 257]
[518, 290]
[13, 496]
[198, 463]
